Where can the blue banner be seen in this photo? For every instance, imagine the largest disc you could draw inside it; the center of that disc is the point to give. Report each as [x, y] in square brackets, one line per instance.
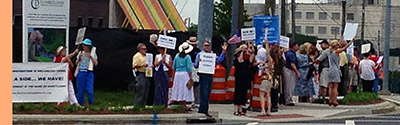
[270, 22]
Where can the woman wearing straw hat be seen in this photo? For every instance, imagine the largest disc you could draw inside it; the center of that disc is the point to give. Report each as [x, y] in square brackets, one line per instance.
[182, 90]
[63, 58]
[86, 60]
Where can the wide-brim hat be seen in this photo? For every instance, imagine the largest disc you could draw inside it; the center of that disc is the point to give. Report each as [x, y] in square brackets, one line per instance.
[59, 49]
[192, 40]
[87, 42]
[237, 50]
[185, 47]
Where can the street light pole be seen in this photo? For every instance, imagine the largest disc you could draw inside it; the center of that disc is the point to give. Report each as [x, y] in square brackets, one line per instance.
[387, 47]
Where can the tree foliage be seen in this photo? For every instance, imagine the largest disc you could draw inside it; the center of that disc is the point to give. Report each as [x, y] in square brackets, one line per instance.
[223, 18]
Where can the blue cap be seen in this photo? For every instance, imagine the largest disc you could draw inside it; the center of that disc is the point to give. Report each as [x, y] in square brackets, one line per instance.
[87, 42]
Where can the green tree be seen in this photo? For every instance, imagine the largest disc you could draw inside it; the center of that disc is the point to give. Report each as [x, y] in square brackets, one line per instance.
[193, 28]
[301, 39]
[223, 18]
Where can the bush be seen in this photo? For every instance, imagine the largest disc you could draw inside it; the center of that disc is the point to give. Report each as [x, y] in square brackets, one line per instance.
[360, 97]
[25, 107]
[72, 108]
[117, 109]
[177, 108]
[48, 107]
[137, 108]
[158, 108]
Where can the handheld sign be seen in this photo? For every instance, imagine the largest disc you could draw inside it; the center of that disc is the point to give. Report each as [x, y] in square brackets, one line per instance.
[248, 34]
[284, 42]
[149, 62]
[80, 35]
[350, 49]
[365, 48]
[207, 63]
[350, 31]
[166, 42]
[318, 45]
[379, 60]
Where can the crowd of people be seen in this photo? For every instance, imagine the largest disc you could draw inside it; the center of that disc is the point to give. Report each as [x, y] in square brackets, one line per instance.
[300, 70]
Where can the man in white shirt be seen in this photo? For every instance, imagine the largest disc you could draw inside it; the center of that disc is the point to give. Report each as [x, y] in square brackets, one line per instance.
[366, 70]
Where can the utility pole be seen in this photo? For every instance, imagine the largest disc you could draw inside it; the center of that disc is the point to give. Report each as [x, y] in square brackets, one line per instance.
[387, 47]
[379, 42]
[206, 14]
[343, 15]
[293, 20]
[283, 17]
[241, 17]
[269, 4]
[235, 16]
[362, 24]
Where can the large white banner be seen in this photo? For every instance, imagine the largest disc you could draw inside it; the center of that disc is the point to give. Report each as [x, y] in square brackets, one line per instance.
[39, 82]
[207, 63]
[45, 26]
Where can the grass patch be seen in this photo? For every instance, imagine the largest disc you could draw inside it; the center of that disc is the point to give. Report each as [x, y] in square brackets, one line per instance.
[113, 99]
[360, 97]
[177, 108]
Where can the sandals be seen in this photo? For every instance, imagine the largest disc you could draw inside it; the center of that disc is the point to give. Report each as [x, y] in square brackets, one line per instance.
[264, 114]
[242, 114]
[236, 114]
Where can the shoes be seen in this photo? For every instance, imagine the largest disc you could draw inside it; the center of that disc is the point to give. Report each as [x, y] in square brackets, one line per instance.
[236, 114]
[208, 115]
[242, 114]
[335, 104]
[290, 104]
[274, 109]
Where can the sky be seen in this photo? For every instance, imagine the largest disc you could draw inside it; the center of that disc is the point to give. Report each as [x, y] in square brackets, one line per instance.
[190, 8]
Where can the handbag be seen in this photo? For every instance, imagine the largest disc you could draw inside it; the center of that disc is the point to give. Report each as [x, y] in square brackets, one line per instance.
[190, 84]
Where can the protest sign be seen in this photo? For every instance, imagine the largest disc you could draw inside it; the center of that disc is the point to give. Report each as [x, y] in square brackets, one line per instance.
[350, 31]
[45, 25]
[207, 63]
[149, 62]
[379, 60]
[267, 27]
[80, 35]
[318, 45]
[248, 34]
[166, 42]
[38, 82]
[365, 48]
[284, 42]
[350, 49]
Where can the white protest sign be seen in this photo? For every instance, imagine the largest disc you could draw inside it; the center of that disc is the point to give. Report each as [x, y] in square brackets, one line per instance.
[365, 48]
[207, 63]
[379, 60]
[350, 31]
[350, 49]
[266, 33]
[248, 34]
[39, 82]
[149, 62]
[80, 35]
[284, 42]
[166, 42]
[319, 48]
[149, 59]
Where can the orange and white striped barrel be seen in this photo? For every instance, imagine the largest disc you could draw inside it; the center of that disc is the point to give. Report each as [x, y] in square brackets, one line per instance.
[218, 92]
[230, 85]
[255, 102]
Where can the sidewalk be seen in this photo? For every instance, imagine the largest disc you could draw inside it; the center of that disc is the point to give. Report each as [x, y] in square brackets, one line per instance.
[224, 113]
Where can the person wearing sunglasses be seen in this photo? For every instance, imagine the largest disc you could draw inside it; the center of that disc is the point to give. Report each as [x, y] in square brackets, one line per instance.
[142, 83]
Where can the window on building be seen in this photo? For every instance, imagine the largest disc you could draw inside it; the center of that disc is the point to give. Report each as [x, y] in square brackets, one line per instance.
[298, 29]
[336, 16]
[321, 30]
[335, 30]
[310, 15]
[322, 16]
[309, 30]
[101, 22]
[297, 15]
[90, 22]
[80, 21]
[350, 16]
[371, 1]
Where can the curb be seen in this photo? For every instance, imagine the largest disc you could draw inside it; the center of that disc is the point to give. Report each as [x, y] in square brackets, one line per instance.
[392, 101]
[102, 119]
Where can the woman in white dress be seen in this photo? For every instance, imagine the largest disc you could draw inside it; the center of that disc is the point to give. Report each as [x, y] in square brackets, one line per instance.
[182, 90]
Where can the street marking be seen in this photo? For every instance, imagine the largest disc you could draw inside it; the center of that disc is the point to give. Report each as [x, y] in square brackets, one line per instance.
[252, 123]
